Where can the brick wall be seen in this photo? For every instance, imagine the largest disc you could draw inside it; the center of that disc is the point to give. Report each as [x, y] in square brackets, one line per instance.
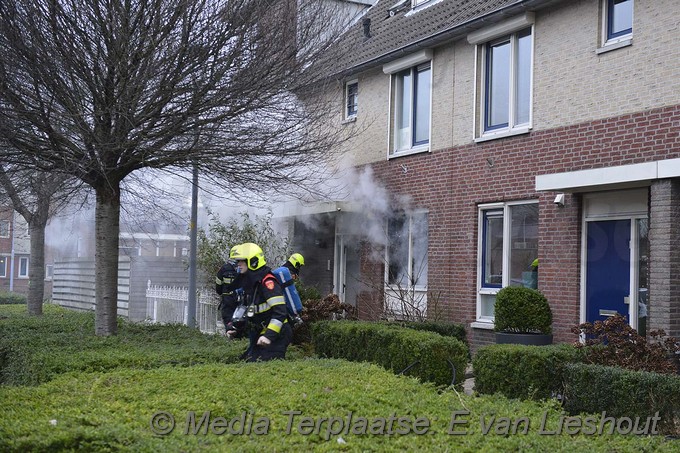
[451, 183]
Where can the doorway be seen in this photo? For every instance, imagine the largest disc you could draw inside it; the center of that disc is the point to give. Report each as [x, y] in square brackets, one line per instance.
[616, 248]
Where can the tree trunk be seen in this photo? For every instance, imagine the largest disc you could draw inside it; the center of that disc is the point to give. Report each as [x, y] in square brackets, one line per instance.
[36, 270]
[107, 229]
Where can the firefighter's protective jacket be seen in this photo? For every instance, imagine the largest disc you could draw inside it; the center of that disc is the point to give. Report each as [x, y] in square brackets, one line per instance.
[270, 313]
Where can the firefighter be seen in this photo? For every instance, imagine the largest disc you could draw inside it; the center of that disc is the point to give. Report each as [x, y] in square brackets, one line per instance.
[268, 328]
[224, 278]
[294, 263]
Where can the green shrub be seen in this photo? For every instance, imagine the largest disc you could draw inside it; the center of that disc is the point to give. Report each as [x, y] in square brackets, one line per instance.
[7, 298]
[519, 371]
[423, 354]
[320, 310]
[623, 393]
[522, 310]
[446, 329]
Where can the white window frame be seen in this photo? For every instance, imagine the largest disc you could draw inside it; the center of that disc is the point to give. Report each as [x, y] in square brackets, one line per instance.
[346, 113]
[23, 259]
[621, 39]
[412, 62]
[7, 223]
[416, 292]
[484, 320]
[49, 272]
[3, 266]
[481, 39]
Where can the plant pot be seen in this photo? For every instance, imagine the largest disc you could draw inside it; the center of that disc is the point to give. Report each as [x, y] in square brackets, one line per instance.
[531, 339]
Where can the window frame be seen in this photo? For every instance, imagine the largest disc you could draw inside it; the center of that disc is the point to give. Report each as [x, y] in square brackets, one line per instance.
[347, 116]
[7, 228]
[483, 318]
[513, 126]
[414, 74]
[610, 36]
[3, 266]
[20, 274]
[410, 283]
[49, 272]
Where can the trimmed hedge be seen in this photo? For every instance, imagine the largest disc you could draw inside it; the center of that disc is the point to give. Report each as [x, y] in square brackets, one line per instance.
[623, 393]
[519, 371]
[394, 348]
[35, 349]
[445, 329]
[7, 298]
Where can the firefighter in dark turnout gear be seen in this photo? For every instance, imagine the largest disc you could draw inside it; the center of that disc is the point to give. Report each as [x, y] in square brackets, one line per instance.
[268, 328]
[294, 263]
[225, 278]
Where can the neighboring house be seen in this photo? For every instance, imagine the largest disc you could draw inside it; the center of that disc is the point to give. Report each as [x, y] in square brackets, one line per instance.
[502, 132]
[15, 247]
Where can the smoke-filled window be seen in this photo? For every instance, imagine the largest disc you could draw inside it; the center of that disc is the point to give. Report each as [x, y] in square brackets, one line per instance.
[407, 251]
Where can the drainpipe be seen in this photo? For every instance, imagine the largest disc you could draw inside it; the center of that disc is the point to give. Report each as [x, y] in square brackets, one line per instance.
[11, 253]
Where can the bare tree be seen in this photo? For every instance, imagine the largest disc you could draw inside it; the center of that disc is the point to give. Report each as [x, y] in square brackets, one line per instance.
[36, 196]
[100, 89]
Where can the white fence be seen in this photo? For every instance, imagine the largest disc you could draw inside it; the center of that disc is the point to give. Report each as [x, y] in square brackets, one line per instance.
[166, 305]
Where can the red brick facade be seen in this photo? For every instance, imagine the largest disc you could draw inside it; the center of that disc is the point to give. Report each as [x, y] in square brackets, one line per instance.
[451, 183]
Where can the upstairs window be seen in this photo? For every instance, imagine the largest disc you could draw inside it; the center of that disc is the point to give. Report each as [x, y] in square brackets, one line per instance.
[619, 19]
[351, 99]
[4, 228]
[419, 2]
[507, 82]
[412, 107]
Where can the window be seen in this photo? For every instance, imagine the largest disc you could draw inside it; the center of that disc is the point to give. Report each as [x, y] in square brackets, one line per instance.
[412, 107]
[507, 83]
[49, 271]
[619, 19]
[419, 2]
[351, 99]
[4, 228]
[23, 267]
[508, 250]
[407, 251]
[3, 266]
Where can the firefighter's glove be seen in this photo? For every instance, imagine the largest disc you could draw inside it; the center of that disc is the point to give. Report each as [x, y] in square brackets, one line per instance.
[263, 341]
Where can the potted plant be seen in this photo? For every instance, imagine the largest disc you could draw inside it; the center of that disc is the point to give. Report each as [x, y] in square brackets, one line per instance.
[523, 316]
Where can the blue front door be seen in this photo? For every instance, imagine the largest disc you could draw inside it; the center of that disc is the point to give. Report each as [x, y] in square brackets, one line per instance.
[607, 269]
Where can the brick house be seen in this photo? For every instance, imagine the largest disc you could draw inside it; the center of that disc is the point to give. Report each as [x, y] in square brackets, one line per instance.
[15, 247]
[501, 132]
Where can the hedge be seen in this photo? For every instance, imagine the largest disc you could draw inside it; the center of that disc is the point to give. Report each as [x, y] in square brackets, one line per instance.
[7, 298]
[445, 329]
[623, 393]
[519, 371]
[425, 355]
[35, 349]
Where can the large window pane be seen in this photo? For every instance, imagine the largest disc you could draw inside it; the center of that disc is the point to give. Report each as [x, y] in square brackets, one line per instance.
[3, 266]
[493, 249]
[523, 78]
[620, 17]
[422, 103]
[397, 251]
[524, 243]
[419, 250]
[403, 110]
[498, 88]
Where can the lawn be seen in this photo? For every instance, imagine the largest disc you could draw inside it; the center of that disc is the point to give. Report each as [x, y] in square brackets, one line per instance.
[217, 404]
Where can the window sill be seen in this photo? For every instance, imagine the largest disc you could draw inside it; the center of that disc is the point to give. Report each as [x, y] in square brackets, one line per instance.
[608, 47]
[486, 325]
[407, 152]
[506, 133]
[351, 119]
